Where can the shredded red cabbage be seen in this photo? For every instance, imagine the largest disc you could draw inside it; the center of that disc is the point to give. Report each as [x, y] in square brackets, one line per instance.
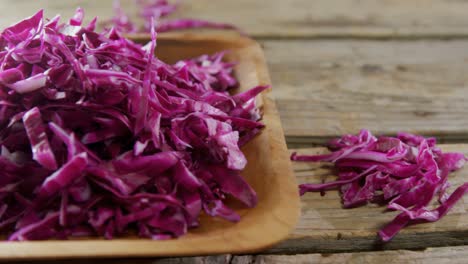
[99, 137]
[159, 10]
[406, 172]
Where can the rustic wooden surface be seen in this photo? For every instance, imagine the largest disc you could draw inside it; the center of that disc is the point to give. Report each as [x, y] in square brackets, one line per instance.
[444, 255]
[338, 66]
[325, 88]
[293, 18]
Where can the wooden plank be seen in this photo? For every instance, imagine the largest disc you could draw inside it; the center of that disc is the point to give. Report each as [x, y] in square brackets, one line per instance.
[325, 88]
[448, 255]
[326, 227]
[291, 18]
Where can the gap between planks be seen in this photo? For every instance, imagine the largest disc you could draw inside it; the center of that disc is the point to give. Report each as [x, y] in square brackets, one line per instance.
[295, 142]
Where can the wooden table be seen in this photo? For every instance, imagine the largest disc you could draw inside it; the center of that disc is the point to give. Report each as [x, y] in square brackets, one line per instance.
[338, 66]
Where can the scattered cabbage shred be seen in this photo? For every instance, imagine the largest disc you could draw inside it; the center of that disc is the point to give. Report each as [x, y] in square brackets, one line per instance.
[99, 137]
[406, 172]
[159, 10]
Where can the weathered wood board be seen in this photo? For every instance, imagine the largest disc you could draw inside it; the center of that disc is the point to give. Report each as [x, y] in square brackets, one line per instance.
[325, 88]
[290, 18]
[443, 255]
[449, 255]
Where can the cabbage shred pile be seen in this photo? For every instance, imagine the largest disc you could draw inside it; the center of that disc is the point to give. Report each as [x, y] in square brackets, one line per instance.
[99, 137]
[406, 172]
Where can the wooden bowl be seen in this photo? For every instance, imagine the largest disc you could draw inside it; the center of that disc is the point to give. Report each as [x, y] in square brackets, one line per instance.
[268, 171]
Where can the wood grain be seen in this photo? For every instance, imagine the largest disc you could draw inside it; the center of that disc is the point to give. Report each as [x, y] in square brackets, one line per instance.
[326, 227]
[325, 88]
[443, 255]
[290, 18]
[449, 255]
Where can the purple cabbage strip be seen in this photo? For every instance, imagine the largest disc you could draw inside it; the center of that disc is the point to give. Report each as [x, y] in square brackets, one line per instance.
[98, 136]
[407, 172]
[35, 130]
[179, 24]
[159, 10]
